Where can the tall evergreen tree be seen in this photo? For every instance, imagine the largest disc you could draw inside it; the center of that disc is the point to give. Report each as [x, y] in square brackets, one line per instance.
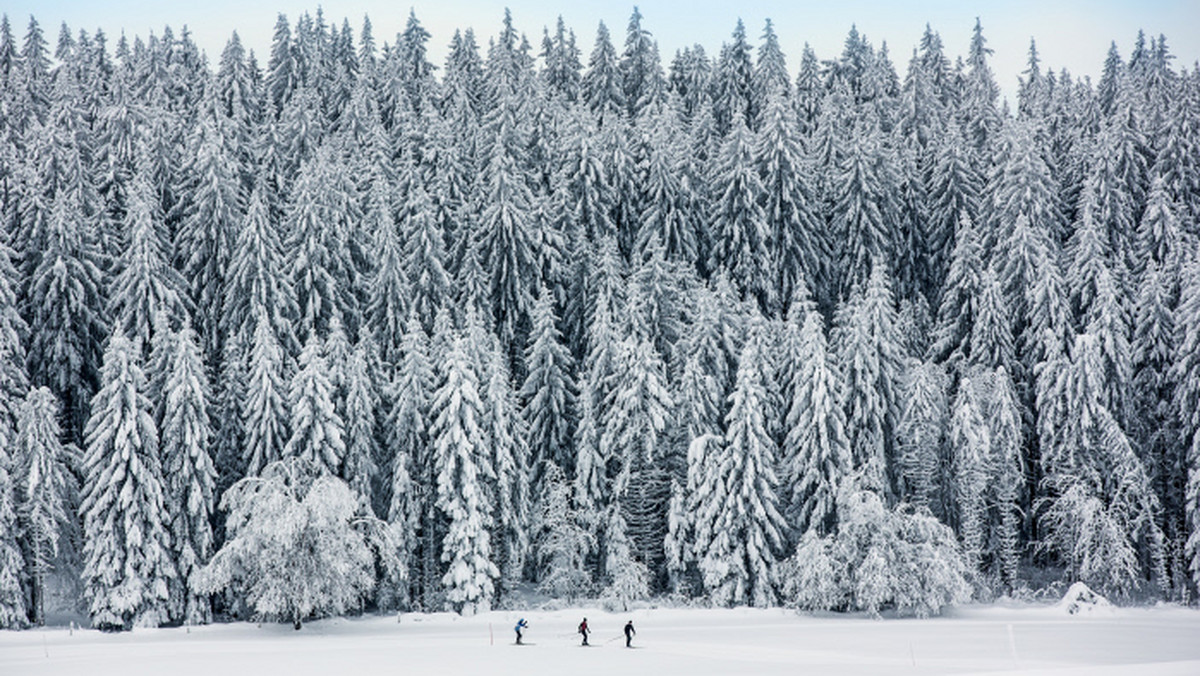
[47, 489]
[739, 565]
[816, 450]
[740, 226]
[461, 468]
[127, 569]
[318, 431]
[189, 475]
[548, 390]
[798, 240]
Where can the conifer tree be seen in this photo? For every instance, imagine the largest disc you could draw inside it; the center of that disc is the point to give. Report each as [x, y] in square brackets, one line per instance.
[257, 282]
[864, 211]
[603, 90]
[13, 611]
[146, 284]
[970, 444]
[548, 390]
[748, 528]
[47, 490]
[407, 442]
[204, 241]
[318, 431]
[66, 315]
[921, 432]
[359, 467]
[870, 360]
[816, 451]
[127, 568]
[264, 412]
[641, 73]
[956, 314]
[739, 225]
[1186, 372]
[506, 434]
[798, 239]
[461, 467]
[189, 475]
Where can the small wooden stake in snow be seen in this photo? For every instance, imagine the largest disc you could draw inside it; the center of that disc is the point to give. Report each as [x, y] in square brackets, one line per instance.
[912, 653]
[491, 635]
[45, 647]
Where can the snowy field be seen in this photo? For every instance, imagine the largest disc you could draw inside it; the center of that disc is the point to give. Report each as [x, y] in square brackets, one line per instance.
[976, 640]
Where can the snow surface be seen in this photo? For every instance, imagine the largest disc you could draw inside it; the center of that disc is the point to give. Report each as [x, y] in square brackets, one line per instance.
[972, 640]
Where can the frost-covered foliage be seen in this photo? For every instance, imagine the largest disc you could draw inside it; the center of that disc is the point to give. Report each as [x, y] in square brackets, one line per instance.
[562, 539]
[128, 567]
[298, 546]
[984, 310]
[878, 559]
[47, 489]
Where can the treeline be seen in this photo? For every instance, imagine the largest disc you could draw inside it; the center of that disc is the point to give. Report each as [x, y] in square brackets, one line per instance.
[354, 330]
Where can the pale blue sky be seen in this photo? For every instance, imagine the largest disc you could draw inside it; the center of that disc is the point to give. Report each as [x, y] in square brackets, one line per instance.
[1071, 33]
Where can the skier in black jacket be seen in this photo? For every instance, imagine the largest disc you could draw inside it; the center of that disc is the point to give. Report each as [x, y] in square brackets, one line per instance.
[629, 633]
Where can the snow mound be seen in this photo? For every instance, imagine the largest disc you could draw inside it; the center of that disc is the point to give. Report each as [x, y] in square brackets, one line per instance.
[1081, 600]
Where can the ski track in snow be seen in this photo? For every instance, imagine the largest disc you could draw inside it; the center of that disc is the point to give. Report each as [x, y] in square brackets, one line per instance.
[973, 640]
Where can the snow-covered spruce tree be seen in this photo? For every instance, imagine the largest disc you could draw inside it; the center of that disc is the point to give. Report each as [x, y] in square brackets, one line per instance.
[406, 442]
[65, 306]
[387, 295]
[47, 490]
[428, 283]
[816, 451]
[361, 436]
[956, 314]
[603, 91]
[1186, 372]
[320, 269]
[13, 601]
[1005, 491]
[548, 391]
[740, 227]
[667, 200]
[318, 431]
[865, 210]
[1102, 513]
[264, 410]
[970, 442]
[210, 215]
[748, 529]
[870, 358]
[507, 436]
[296, 545]
[127, 568]
[1020, 185]
[461, 468]
[633, 442]
[256, 280]
[146, 284]
[921, 432]
[953, 188]
[505, 244]
[628, 578]
[562, 538]
[189, 475]
[798, 240]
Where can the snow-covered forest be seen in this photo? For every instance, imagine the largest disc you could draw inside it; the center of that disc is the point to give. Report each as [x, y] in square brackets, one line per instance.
[334, 328]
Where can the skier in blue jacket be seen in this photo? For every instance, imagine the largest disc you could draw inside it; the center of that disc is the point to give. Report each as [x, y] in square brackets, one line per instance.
[521, 624]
